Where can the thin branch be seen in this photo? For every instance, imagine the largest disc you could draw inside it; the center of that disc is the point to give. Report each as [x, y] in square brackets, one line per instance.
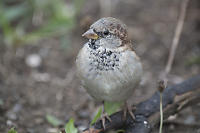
[176, 38]
[147, 112]
[191, 98]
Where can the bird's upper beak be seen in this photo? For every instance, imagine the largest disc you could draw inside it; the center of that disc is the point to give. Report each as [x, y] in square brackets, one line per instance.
[90, 34]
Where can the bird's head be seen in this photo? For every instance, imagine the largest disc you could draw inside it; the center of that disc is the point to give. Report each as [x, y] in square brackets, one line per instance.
[110, 32]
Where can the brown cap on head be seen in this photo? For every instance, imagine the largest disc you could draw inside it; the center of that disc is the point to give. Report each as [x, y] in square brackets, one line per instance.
[113, 25]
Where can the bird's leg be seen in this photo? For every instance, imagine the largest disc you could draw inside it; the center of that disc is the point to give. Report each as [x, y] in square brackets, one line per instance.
[104, 116]
[128, 108]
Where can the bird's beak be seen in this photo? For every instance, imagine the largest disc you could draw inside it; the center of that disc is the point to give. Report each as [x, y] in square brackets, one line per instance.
[90, 34]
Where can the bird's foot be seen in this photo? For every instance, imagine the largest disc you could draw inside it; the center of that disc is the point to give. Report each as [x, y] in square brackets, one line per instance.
[129, 109]
[105, 116]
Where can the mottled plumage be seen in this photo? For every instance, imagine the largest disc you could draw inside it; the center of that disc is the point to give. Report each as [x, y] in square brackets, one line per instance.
[108, 67]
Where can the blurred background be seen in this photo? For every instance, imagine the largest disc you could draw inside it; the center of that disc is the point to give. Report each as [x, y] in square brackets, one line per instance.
[39, 41]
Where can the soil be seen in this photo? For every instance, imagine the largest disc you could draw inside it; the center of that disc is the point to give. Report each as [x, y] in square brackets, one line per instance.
[29, 93]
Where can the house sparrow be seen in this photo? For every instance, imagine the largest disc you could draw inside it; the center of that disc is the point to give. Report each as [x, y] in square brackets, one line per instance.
[107, 65]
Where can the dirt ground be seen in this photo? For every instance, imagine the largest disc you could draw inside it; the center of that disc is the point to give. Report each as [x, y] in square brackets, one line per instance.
[30, 93]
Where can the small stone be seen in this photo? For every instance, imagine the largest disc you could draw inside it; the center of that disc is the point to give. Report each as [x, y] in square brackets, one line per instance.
[9, 123]
[172, 117]
[33, 60]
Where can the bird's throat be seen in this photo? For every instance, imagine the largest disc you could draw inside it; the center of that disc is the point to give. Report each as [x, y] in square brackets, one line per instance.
[92, 44]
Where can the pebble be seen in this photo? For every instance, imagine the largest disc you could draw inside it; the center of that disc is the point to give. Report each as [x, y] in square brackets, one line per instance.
[9, 123]
[33, 60]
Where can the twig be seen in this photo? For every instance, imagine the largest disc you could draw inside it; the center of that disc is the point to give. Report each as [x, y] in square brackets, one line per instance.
[191, 99]
[147, 112]
[161, 87]
[161, 114]
[176, 38]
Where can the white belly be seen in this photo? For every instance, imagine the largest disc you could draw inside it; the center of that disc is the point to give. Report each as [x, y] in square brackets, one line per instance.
[109, 83]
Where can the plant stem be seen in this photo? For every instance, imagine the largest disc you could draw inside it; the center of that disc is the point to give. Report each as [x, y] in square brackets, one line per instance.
[161, 114]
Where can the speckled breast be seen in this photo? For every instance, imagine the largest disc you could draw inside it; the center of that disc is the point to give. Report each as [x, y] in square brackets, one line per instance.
[108, 75]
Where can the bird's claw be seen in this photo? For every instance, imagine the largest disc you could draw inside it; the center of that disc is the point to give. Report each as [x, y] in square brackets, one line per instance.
[105, 116]
[128, 109]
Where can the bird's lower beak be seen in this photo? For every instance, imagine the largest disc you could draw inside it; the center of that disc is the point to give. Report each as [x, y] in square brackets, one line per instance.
[90, 34]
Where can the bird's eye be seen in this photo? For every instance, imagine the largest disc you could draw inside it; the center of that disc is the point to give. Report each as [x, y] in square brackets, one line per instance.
[106, 32]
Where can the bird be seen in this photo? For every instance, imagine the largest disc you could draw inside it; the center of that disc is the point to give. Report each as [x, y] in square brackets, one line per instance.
[107, 65]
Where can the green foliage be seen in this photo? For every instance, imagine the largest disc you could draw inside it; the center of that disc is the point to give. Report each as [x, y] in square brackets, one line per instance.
[24, 22]
[193, 60]
[70, 128]
[97, 116]
[112, 107]
[53, 120]
[12, 130]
